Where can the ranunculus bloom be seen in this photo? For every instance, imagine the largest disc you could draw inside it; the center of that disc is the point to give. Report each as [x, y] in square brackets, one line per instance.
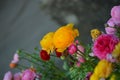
[47, 42]
[15, 58]
[115, 12]
[44, 55]
[64, 36]
[110, 30]
[116, 51]
[113, 22]
[72, 49]
[8, 76]
[58, 54]
[95, 33]
[104, 45]
[28, 75]
[103, 69]
[17, 76]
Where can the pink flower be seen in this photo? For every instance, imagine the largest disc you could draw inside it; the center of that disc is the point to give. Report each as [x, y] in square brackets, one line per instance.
[113, 22]
[110, 30]
[15, 58]
[17, 76]
[8, 76]
[72, 49]
[115, 12]
[81, 59]
[28, 75]
[81, 48]
[104, 45]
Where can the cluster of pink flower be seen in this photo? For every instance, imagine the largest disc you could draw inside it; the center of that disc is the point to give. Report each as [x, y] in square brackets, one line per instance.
[105, 43]
[28, 74]
[114, 21]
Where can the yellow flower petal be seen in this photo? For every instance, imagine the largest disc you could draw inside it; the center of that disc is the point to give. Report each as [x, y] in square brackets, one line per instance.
[47, 42]
[95, 33]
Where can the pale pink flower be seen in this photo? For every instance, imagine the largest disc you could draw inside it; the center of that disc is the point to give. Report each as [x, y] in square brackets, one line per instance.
[15, 58]
[72, 49]
[115, 12]
[110, 30]
[8, 76]
[104, 45]
[81, 48]
[28, 75]
[113, 22]
[17, 76]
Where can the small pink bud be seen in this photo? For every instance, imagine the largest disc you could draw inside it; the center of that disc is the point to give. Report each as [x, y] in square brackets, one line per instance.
[81, 48]
[72, 49]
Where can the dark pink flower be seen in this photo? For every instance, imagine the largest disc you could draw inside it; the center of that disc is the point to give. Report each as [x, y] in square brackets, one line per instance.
[115, 12]
[110, 30]
[104, 45]
[72, 49]
[28, 75]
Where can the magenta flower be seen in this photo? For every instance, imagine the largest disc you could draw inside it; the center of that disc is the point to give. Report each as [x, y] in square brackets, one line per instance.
[17, 76]
[8, 76]
[81, 48]
[104, 45]
[110, 30]
[28, 75]
[72, 49]
[115, 12]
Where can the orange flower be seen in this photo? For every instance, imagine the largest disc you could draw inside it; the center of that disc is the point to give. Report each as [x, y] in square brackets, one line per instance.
[64, 36]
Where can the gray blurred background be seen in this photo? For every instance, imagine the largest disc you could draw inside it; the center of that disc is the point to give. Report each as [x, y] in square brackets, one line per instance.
[24, 22]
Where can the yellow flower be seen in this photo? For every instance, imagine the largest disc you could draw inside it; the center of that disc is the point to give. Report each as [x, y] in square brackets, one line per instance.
[47, 42]
[116, 51]
[103, 69]
[94, 77]
[64, 36]
[95, 33]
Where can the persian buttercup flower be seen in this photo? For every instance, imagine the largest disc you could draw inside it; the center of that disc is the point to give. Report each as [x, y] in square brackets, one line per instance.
[110, 30]
[47, 42]
[102, 70]
[64, 36]
[8, 76]
[58, 54]
[95, 33]
[28, 75]
[115, 12]
[113, 22]
[44, 55]
[72, 49]
[104, 45]
[116, 51]
[15, 58]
